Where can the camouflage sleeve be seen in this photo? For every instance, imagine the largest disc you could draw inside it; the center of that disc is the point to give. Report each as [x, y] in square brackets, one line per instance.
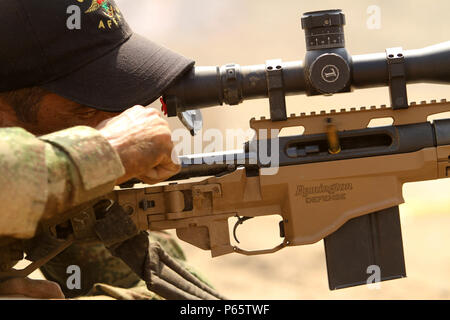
[23, 177]
[42, 177]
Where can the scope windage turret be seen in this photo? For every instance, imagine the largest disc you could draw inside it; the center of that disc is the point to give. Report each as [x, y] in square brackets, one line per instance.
[327, 69]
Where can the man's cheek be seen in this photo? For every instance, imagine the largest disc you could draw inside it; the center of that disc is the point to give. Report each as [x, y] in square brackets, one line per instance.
[52, 124]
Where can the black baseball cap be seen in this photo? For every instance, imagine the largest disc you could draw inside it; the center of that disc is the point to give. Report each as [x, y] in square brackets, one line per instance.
[84, 51]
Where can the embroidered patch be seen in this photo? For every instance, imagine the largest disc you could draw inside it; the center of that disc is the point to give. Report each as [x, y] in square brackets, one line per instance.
[109, 10]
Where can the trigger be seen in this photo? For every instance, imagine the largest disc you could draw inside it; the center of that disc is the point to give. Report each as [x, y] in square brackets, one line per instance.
[239, 222]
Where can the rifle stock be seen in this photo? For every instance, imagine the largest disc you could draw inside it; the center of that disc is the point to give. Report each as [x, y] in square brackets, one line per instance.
[314, 199]
[349, 200]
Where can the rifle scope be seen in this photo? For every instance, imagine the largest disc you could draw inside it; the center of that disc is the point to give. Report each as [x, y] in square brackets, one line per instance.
[327, 69]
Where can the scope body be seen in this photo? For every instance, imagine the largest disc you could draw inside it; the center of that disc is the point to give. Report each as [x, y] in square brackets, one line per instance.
[204, 87]
[328, 68]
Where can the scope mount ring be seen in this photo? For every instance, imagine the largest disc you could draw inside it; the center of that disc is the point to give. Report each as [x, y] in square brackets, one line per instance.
[275, 90]
[397, 78]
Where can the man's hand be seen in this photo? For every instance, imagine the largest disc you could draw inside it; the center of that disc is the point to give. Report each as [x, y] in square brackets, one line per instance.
[143, 141]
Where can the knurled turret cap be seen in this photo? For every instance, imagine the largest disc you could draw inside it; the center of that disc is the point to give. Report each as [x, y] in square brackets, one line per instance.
[324, 18]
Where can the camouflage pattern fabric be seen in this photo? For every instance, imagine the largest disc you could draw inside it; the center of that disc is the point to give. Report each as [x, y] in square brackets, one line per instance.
[40, 178]
[23, 177]
[91, 168]
[106, 277]
[97, 162]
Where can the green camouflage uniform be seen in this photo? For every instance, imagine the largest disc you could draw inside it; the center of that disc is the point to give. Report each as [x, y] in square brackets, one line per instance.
[41, 177]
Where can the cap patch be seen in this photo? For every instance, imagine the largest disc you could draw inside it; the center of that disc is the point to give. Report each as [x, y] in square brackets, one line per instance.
[107, 9]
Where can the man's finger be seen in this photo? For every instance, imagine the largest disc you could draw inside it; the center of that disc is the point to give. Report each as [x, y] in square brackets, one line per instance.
[161, 173]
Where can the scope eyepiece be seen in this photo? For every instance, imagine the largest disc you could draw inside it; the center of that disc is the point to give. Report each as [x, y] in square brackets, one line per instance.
[324, 29]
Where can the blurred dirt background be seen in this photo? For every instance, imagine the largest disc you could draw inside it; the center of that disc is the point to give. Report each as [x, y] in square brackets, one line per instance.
[215, 32]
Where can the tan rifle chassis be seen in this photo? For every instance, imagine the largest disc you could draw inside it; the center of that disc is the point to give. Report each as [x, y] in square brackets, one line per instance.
[313, 199]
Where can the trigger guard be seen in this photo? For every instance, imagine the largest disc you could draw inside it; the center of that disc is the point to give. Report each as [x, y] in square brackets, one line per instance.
[285, 243]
